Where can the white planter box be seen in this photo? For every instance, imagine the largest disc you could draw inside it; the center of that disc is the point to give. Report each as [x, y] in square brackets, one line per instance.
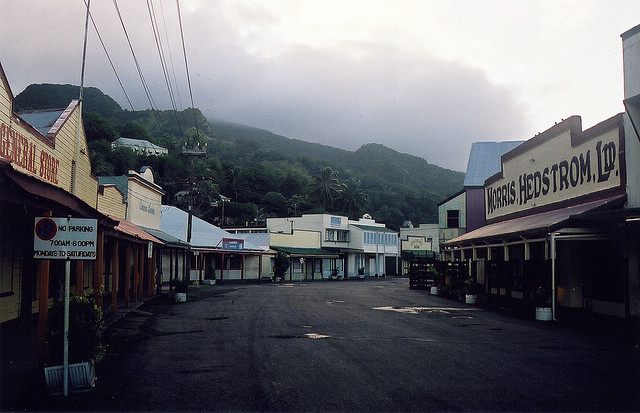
[543, 314]
[181, 297]
[434, 291]
[82, 377]
[470, 299]
[209, 282]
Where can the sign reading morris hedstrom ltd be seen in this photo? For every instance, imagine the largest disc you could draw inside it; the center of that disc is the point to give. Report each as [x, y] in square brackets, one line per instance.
[557, 166]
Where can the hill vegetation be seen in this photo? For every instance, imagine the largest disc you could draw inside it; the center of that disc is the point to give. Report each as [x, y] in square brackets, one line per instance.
[259, 173]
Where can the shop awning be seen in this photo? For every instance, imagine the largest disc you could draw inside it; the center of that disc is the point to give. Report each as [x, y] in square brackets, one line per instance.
[168, 239]
[541, 223]
[129, 228]
[307, 252]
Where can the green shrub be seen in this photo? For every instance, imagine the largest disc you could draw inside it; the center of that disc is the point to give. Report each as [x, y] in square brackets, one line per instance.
[85, 330]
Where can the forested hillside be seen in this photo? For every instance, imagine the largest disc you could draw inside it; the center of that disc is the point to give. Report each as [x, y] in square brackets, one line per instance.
[262, 173]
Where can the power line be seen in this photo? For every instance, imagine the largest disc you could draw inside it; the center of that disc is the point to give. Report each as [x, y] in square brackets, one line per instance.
[156, 35]
[186, 65]
[135, 59]
[166, 35]
[109, 59]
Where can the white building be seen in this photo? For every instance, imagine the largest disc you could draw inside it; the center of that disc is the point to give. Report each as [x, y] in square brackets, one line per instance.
[140, 146]
[363, 246]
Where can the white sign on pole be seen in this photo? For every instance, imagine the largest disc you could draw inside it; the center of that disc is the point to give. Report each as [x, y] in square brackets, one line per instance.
[65, 238]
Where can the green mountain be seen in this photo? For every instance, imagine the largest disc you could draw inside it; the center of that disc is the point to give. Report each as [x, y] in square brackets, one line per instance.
[399, 168]
[264, 174]
[50, 96]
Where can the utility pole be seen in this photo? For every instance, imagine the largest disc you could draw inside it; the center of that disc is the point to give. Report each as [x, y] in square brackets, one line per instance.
[196, 151]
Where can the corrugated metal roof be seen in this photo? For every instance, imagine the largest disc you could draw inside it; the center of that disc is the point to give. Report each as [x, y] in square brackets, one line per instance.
[168, 239]
[42, 120]
[129, 228]
[141, 143]
[173, 221]
[121, 182]
[484, 160]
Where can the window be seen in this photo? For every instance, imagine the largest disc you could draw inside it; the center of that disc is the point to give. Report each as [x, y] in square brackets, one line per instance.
[331, 235]
[337, 235]
[453, 218]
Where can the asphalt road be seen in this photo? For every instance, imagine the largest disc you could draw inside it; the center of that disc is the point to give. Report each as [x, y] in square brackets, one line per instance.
[369, 345]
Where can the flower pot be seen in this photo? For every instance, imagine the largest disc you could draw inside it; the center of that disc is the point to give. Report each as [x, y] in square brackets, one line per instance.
[470, 298]
[209, 282]
[82, 377]
[181, 297]
[543, 314]
[435, 291]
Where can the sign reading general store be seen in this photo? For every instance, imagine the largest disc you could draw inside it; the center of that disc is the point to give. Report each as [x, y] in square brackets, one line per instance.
[569, 165]
[23, 152]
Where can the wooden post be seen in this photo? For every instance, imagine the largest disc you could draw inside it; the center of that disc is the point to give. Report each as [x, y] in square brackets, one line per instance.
[155, 280]
[222, 268]
[115, 269]
[79, 277]
[98, 269]
[141, 274]
[43, 309]
[127, 276]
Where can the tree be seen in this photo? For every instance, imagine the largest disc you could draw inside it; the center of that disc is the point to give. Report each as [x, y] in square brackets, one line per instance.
[134, 130]
[274, 203]
[281, 264]
[97, 128]
[324, 187]
[351, 198]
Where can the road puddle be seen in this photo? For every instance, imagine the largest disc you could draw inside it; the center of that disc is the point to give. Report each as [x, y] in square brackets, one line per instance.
[418, 310]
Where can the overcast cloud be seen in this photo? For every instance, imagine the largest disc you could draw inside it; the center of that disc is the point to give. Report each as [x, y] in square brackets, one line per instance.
[426, 78]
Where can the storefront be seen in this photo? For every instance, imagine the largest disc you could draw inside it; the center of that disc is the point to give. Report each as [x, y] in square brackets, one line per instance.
[558, 218]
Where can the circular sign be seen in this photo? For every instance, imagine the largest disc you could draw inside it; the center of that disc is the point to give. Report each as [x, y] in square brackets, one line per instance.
[46, 229]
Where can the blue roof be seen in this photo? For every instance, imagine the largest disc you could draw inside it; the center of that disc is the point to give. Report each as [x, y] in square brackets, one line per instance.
[484, 160]
[121, 182]
[42, 120]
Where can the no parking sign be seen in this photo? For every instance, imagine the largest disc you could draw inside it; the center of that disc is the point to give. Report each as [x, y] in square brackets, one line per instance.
[65, 238]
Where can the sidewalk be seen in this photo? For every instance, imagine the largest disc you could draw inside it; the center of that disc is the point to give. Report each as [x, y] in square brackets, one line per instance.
[22, 385]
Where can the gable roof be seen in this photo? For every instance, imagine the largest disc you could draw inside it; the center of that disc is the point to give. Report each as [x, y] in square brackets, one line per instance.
[121, 182]
[42, 120]
[485, 160]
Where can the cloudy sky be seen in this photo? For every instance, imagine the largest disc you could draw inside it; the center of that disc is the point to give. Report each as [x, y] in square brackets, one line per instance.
[422, 77]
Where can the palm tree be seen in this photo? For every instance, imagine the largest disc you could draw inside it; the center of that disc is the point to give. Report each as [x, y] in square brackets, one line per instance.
[324, 187]
[351, 198]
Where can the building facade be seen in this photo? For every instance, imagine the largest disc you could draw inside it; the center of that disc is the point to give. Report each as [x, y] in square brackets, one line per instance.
[363, 247]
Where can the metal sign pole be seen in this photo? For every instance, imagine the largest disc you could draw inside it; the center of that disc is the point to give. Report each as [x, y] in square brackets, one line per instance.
[67, 286]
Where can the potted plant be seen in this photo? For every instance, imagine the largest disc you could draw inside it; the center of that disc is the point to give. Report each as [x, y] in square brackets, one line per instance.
[86, 346]
[361, 272]
[181, 287]
[435, 275]
[471, 291]
[209, 278]
[541, 298]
